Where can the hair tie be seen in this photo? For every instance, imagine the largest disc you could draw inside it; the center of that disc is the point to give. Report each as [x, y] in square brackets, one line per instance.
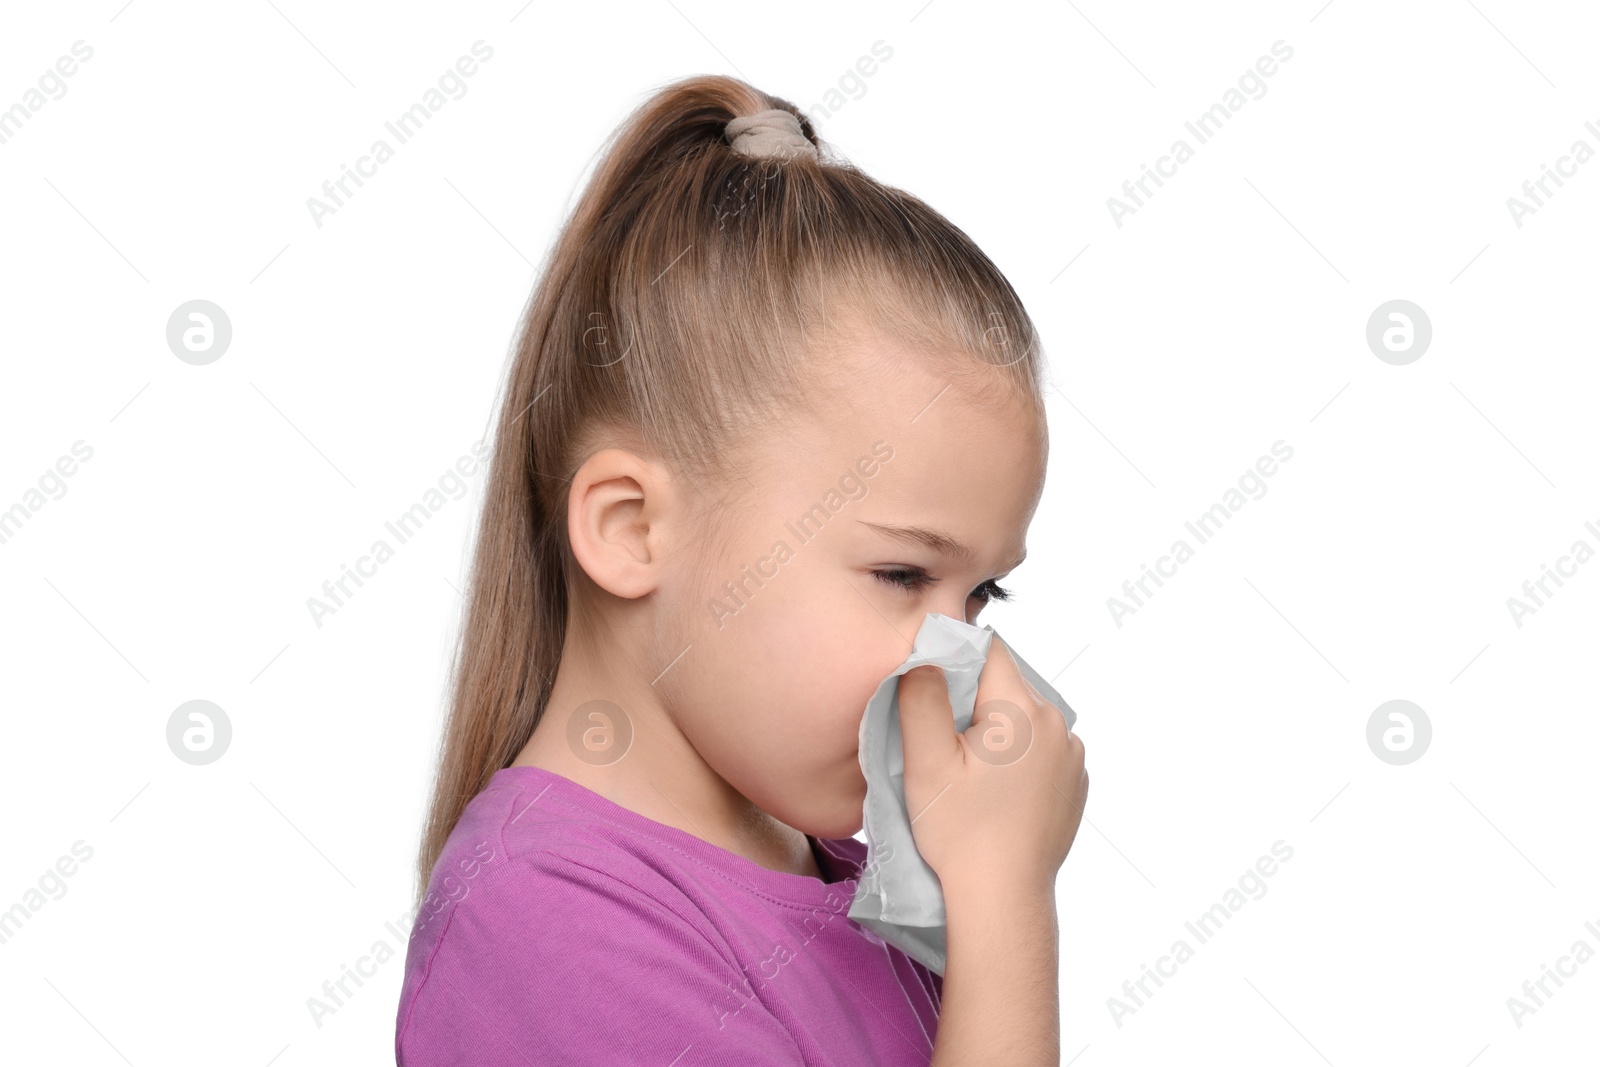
[774, 133]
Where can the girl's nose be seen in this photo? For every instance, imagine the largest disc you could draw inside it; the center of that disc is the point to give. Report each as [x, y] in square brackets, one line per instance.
[956, 608]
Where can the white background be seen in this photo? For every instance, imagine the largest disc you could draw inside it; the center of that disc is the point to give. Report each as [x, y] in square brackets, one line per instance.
[1228, 313]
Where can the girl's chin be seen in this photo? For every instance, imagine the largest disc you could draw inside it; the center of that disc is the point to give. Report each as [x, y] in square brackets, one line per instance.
[843, 820]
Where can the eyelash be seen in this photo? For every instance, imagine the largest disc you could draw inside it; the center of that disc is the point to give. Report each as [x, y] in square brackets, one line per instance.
[913, 580]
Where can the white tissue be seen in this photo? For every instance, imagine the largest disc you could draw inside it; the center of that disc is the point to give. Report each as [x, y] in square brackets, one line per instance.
[898, 897]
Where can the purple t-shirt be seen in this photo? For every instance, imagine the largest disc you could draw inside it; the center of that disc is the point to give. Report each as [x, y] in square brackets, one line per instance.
[562, 928]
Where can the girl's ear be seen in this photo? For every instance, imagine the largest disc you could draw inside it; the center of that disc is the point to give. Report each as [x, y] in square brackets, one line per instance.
[619, 521]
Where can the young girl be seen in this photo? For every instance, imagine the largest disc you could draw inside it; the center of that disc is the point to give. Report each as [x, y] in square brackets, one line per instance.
[765, 414]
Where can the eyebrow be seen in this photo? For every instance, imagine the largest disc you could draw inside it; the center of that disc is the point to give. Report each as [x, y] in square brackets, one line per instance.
[937, 540]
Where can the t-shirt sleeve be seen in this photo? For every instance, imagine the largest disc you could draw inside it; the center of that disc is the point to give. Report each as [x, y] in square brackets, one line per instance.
[556, 963]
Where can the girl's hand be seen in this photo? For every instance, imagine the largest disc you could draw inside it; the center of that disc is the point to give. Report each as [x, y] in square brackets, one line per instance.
[1002, 801]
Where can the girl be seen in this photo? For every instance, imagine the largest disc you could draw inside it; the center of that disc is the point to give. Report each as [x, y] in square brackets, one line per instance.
[765, 414]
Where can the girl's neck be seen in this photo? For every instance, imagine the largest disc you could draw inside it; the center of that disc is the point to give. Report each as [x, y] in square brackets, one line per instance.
[662, 778]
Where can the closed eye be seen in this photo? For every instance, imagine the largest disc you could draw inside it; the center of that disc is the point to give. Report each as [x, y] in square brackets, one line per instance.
[915, 579]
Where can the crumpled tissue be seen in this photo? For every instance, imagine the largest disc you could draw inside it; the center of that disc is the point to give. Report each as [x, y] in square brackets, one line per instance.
[898, 896]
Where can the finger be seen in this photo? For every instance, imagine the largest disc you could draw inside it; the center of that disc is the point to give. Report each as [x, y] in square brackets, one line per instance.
[927, 722]
[1002, 679]
[1003, 691]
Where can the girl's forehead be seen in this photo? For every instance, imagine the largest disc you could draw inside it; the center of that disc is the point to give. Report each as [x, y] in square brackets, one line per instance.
[877, 376]
[952, 464]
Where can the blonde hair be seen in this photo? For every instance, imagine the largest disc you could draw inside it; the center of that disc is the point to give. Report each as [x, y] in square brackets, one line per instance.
[683, 306]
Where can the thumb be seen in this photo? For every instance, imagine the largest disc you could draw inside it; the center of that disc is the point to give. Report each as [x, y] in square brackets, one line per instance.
[927, 722]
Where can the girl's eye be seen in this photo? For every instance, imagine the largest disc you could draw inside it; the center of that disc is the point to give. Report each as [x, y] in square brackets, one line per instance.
[914, 580]
[990, 591]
